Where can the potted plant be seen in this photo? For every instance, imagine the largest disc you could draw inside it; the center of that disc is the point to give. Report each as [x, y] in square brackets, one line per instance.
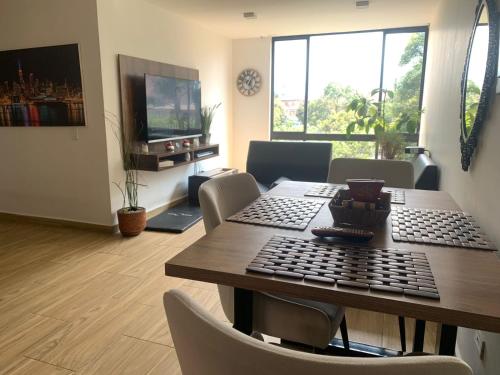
[207, 115]
[131, 217]
[389, 132]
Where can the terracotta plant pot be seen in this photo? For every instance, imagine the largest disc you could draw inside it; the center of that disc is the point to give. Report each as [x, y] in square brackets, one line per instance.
[130, 222]
[391, 145]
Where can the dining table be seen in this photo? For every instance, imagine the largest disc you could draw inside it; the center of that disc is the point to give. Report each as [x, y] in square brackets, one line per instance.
[468, 280]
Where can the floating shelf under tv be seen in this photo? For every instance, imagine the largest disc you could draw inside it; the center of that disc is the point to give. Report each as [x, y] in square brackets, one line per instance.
[152, 161]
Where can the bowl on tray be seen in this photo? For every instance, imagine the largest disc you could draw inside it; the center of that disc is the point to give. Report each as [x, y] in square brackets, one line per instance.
[365, 190]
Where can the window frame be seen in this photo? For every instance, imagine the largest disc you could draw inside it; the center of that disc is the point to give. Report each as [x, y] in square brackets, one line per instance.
[303, 135]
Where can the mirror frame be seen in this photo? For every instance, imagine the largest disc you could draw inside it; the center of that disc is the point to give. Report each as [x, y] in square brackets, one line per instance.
[468, 142]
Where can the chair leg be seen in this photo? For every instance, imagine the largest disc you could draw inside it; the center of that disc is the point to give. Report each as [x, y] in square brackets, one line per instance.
[343, 332]
[418, 339]
[402, 332]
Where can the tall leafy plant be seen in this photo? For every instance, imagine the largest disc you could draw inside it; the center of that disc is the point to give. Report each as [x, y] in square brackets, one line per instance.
[130, 160]
[207, 116]
[372, 114]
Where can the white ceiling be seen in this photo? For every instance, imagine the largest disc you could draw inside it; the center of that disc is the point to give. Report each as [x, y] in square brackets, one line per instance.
[291, 17]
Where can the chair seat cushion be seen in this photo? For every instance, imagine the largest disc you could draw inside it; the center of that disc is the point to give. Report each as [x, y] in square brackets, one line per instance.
[296, 319]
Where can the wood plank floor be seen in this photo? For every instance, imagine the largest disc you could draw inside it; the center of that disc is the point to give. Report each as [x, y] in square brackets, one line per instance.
[82, 302]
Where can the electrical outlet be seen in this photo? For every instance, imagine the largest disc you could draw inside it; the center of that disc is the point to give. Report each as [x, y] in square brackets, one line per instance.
[480, 344]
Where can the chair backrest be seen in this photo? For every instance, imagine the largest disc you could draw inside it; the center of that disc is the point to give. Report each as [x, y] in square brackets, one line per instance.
[300, 161]
[206, 346]
[220, 198]
[396, 173]
[426, 173]
[224, 196]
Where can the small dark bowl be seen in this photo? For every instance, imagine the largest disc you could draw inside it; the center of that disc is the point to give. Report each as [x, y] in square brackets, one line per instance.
[365, 190]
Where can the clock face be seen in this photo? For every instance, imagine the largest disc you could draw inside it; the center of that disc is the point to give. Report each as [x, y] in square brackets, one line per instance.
[249, 82]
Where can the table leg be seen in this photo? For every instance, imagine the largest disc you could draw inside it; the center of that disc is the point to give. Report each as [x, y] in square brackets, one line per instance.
[447, 340]
[418, 339]
[243, 310]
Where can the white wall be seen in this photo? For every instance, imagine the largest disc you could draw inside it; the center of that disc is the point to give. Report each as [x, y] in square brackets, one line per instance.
[251, 114]
[475, 191]
[46, 171]
[143, 29]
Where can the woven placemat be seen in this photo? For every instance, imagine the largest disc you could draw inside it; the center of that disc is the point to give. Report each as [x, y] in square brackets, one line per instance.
[282, 212]
[440, 227]
[379, 270]
[329, 191]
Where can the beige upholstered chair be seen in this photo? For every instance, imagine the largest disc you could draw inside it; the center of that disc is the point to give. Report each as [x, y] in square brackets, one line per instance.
[206, 346]
[396, 173]
[294, 319]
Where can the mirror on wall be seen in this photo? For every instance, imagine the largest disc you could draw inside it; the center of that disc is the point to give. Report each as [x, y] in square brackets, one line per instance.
[479, 77]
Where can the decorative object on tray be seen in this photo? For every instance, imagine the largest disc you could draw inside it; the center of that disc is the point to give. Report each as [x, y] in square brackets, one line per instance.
[207, 116]
[329, 190]
[378, 270]
[439, 227]
[363, 205]
[41, 87]
[363, 190]
[283, 212]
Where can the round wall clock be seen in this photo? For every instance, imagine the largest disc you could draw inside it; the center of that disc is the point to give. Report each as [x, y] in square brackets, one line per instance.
[248, 82]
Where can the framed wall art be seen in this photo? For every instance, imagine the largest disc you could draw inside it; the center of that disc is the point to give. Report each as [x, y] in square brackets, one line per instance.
[41, 87]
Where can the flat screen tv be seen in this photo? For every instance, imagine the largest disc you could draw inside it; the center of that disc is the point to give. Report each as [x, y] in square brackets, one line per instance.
[173, 108]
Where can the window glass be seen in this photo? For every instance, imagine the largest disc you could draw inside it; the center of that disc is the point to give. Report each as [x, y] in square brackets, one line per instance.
[377, 72]
[341, 67]
[353, 149]
[290, 58]
[403, 61]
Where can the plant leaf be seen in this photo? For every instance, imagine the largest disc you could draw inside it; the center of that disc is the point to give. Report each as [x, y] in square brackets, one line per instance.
[379, 130]
[350, 128]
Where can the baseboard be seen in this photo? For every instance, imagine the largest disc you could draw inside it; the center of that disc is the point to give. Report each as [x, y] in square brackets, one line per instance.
[4, 216]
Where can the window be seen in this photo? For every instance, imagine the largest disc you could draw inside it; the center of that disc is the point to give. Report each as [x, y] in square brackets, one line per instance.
[316, 77]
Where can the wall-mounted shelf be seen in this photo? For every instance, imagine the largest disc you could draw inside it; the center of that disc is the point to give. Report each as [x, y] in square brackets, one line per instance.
[153, 160]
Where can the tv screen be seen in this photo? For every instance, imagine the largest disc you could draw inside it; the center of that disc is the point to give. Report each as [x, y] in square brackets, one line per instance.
[173, 108]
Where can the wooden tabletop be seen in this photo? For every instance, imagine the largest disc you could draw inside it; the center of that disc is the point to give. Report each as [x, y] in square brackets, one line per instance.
[468, 280]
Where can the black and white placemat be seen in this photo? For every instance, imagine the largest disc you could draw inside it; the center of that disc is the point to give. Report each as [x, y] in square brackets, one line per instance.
[329, 191]
[282, 212]
[440, 227]
[387, 270]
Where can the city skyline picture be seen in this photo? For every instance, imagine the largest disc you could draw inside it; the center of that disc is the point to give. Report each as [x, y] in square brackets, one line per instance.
[41, 87]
